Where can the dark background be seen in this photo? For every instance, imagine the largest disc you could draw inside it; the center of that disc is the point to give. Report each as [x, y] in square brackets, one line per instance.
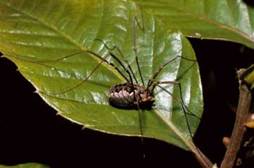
[30, 131]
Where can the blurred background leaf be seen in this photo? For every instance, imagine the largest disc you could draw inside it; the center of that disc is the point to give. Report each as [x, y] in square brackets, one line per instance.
[229, 20]
[26, 165]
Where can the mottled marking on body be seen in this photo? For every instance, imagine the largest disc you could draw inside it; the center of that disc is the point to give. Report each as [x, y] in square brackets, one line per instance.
[130, 96]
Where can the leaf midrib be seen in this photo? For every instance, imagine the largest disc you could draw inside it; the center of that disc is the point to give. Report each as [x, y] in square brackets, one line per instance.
[61, 34]
[187, 141]
[170, 125]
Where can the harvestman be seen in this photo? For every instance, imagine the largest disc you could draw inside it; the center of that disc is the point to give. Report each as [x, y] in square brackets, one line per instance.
[131, 94]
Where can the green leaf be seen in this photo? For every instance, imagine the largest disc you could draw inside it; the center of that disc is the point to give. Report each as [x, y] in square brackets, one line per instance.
[247, 76]
[52, 43]
[206, 19]
[27, 165]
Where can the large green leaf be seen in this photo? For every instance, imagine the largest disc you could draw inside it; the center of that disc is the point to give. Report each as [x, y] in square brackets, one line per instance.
[231, 20]
[26, 165]
[51, 43]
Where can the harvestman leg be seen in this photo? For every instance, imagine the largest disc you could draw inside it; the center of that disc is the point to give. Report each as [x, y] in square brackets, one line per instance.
[135, 22]
[140, 112]
[152, 83]
[183, 105]
[103, 60]
[131, 71]
[136, 58]
[127, 69]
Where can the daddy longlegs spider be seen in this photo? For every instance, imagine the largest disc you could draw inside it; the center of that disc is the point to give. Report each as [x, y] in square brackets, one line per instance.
[131, 94]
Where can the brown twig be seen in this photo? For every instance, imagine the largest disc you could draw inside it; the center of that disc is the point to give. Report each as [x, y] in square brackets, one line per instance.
[243, 110]
[201, 158]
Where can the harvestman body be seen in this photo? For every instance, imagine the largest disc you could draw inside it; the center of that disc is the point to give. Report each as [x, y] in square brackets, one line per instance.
[130, 96]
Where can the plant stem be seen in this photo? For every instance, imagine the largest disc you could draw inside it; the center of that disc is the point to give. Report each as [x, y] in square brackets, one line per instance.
[202, 159]
[243, 110]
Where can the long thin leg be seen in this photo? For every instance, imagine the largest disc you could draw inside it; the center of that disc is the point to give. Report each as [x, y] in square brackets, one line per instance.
[140, 112]
[121, 54]
[27, 60]
[184, 107]
[91, 73]
[128, 65]
[140, 25]
[181, 96]
[135, 22]
[184, 110]
[131, 70]
[141, 122]
[43, 62]
[81, 82]
[103, 60]
[156, 83]
[150, 82]
[128, 70]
